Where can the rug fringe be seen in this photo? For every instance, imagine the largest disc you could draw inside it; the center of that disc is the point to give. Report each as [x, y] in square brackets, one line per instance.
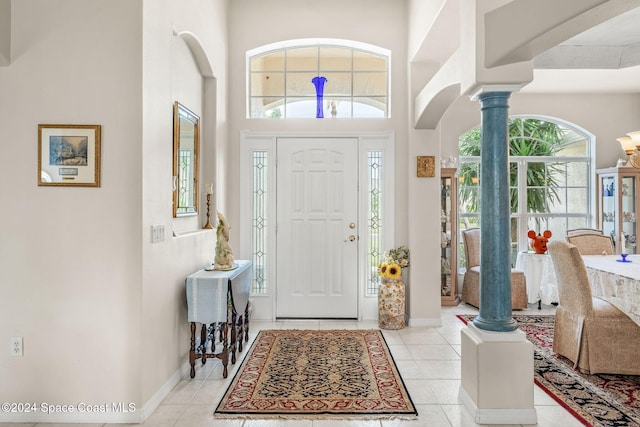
[336, 417]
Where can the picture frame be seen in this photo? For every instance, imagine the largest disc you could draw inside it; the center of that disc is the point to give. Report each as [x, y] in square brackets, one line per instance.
[426, 167]
[69, 155]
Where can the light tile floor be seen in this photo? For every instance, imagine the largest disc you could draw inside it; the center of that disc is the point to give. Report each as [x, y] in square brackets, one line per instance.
[428, 359]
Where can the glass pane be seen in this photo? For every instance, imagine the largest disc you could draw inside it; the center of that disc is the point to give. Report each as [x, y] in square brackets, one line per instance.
[370, 107]
[302, 59]
[557, 174]
[608, 205]
[576, 200]
[335, 59]
[299, 84]
[576, 223]
[375, 222]
[260, 223]
[363, 61]
[337, 107]
[576, 144]
[514, 240]
[301, 108]
[267, 84]
[557, 199]
[337, 84]
[370, 84]
[445, 229]
[577, 173]
[267, 107]
[628, 199]
[270, 62]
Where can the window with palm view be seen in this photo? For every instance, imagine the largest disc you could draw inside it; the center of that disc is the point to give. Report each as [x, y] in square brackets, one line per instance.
[549, 176]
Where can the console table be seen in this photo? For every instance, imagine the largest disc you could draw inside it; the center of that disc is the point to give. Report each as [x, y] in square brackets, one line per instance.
[214, 299]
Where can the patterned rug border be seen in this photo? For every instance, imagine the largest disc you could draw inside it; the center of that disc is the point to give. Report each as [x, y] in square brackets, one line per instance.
[546, 361]
[320, 415]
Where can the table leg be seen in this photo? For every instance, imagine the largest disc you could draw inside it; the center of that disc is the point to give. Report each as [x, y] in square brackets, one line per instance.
[240, 325]
[224, 356]
[246, 323]
[203, 343]
[234, 335]
[192, 350]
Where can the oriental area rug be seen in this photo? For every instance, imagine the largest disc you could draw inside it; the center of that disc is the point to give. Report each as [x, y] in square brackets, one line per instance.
[595, 400]
[311, 374]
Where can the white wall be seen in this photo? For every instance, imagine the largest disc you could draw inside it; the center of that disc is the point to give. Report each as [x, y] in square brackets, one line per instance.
[101, 309]
[70, 258]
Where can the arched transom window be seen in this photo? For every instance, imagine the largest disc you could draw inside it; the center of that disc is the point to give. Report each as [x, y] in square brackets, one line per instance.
[324, 78]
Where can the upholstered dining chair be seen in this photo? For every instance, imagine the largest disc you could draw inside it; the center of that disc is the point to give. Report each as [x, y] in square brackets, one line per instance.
[595, 335]
[592, 244]
[471, 280]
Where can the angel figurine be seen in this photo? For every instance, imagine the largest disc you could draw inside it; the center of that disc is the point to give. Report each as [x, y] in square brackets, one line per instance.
[224, 254]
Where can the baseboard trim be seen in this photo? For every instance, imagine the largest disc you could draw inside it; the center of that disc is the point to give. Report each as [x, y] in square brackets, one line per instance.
[526, 416]
[112, 412]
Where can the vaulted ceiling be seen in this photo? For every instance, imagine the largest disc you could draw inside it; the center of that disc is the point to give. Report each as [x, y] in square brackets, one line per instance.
[605, 58]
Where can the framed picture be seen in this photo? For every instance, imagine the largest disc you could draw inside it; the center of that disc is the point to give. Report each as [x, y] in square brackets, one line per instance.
[426, 167]
[69, 155]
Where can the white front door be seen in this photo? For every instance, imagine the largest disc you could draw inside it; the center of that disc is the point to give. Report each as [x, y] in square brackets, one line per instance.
[317, 230]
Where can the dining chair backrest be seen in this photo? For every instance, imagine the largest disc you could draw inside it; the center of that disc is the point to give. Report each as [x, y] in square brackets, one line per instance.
[592, 244]
[574, 290]
[576, 231]
[471, 239]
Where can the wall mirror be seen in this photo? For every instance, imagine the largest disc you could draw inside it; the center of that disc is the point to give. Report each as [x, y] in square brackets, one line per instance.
[186, 147]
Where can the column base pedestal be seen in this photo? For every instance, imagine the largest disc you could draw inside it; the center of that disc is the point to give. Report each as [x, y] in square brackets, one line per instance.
[497, 376]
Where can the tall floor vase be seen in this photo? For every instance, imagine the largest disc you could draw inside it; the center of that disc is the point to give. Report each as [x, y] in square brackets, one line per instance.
[391, 303]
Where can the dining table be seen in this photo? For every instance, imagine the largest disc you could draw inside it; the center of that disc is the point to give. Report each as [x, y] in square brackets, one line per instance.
[616, 281]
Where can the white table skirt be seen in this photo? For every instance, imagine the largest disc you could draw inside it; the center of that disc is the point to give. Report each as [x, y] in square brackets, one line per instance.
[541, 279]
[616, 282]
[207, 293]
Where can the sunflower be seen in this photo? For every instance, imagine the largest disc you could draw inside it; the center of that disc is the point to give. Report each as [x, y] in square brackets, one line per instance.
[382, 269]
[393, 271]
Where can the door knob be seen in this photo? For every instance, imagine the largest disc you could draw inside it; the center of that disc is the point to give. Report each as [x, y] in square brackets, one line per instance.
[351, 238]
[352, 225]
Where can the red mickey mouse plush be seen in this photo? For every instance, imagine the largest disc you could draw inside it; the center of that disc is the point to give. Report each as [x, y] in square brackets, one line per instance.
[538, 242]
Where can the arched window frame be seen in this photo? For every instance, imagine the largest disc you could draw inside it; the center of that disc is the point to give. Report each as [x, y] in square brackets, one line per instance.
[521, 219]
[366, 105]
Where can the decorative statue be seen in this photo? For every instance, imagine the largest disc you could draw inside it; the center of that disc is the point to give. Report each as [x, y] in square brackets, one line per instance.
[224, 253]
[539, 242]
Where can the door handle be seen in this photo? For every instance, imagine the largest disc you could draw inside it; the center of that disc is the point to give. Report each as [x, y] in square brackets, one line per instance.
[351, 238]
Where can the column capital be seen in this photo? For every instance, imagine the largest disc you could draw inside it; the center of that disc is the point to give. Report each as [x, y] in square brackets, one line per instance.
[495, 88]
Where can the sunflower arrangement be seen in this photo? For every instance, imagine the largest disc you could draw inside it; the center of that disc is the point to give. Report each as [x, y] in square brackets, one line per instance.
[394, 261]
[389, 270]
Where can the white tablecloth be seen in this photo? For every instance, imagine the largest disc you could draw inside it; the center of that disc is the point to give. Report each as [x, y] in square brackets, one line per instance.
[207, 292]
[541, 278]
[616, 282]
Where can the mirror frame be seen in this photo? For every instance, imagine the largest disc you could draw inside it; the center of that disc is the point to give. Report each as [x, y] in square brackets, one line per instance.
[180, 112]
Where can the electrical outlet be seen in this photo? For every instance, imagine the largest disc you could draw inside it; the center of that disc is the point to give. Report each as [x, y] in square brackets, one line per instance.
[16, 346]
